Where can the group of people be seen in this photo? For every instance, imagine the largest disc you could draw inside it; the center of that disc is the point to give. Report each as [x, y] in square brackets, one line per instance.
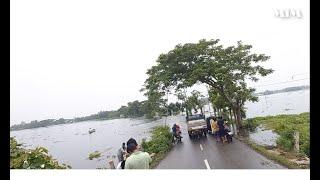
[219, 129]
[131, 156]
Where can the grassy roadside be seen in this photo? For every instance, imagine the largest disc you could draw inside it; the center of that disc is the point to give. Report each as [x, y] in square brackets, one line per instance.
[281, 159]
[160, 144]
[284, 126]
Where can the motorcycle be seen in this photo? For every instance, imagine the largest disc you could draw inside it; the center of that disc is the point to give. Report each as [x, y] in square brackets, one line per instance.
[177, 138]
[229, 134]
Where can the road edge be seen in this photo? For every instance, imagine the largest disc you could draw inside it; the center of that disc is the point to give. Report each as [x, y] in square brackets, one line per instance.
[271, 156]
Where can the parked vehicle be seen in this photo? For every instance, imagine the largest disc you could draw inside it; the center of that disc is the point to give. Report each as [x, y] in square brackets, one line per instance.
[197, 125]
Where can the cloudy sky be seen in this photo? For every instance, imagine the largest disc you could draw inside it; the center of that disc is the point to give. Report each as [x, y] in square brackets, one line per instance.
[73, 58]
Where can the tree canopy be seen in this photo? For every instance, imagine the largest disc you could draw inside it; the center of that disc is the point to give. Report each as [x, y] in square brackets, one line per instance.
[224, 69]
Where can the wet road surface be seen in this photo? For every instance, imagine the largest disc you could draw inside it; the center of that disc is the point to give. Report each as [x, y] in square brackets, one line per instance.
[206, 153]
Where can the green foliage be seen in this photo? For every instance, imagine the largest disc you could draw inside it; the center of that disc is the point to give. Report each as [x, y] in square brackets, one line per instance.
[250, 124]
[95, 154]
[160, 143]
[174, 108]
[133, 110]
[38, 158]
[195, 101]
[278, 158]
[285, 125]
[160, 140]
[223, 69]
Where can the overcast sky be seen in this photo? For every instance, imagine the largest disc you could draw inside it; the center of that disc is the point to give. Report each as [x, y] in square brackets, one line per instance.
[72, 58]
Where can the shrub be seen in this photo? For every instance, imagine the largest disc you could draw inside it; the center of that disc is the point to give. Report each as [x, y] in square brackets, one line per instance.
[285, 125]
[160, 143]
[160, 140]
[38, 158]
[286, 139]
[250, 124]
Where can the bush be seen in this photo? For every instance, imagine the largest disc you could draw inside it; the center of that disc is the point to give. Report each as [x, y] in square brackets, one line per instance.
[285, 125]
[38, 158]
[160, 143]
[250, 124]
[285, 143]
[160, 140]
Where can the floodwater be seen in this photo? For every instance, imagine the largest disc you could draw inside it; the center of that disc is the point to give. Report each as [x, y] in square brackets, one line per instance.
[294, 102]
[283, 103]
[72, 144]
[264, 137]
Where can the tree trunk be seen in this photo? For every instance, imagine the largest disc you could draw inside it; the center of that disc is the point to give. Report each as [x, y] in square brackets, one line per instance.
[201, 110]
[238, 117]
[215, 112]
[233, 123]
[187, 112]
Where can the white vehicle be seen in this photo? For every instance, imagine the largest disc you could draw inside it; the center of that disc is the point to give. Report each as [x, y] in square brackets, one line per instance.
[197, 125]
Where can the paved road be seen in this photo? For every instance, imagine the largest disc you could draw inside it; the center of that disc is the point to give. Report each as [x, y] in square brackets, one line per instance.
[206, 153]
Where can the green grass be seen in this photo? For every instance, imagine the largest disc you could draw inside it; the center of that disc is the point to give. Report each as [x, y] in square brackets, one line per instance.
[160, 144]
[283, 160]
[285, 126]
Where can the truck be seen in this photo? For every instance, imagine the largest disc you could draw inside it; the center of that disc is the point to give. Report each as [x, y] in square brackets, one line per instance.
[197, 125]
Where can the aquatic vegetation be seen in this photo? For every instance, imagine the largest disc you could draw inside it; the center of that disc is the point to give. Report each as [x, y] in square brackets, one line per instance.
[21, 158]
[95, 154]
[285, 126]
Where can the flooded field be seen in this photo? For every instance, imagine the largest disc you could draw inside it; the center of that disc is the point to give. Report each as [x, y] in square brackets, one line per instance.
[72, 143]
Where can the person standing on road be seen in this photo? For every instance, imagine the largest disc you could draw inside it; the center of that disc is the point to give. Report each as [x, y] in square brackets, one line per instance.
[174, 129]
[222, 132]
[137, 158]
[215, 128]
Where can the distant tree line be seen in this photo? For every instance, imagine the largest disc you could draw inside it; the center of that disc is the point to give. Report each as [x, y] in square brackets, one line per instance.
[288, 89]
[133, 109]
[43, 123]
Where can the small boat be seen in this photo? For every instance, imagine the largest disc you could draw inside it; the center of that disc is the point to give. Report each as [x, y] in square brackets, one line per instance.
[92, 131]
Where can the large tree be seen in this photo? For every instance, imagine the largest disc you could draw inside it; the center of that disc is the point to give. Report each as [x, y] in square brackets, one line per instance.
[196, 101]
[224, 69]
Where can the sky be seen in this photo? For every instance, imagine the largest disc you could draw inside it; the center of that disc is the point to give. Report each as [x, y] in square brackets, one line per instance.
[72, 58]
